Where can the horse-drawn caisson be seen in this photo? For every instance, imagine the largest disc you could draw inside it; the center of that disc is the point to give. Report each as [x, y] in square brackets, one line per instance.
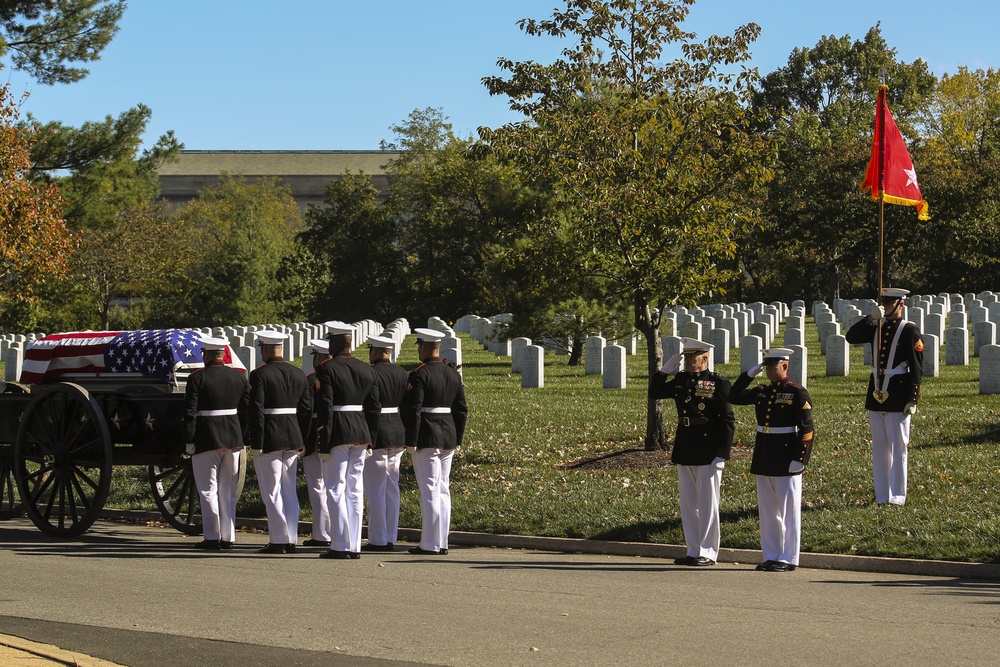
[87, 401]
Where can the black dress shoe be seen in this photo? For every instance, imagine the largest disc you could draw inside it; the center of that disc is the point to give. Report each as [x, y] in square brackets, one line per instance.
[442, 552]
[765, 566]
[686, 560]
[289, 548]
[701, 561]
[338, 555]
[208, 545]
[354, 554]
[270, 548]
[417, 551]
[225, 546]
[316, 543]
[778, 566]
[377, 547]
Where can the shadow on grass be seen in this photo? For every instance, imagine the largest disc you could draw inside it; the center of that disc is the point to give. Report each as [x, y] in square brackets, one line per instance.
[971, 588]
[645, 531]
[988, 434]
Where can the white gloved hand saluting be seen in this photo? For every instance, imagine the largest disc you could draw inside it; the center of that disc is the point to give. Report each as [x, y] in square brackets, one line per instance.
[796, 467]
[672, 365]
[878, 312]
[755, 371]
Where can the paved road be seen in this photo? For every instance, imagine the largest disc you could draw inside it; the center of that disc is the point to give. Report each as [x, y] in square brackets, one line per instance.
[141, 596]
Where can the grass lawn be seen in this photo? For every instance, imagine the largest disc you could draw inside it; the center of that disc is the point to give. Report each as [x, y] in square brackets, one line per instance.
[516, 471]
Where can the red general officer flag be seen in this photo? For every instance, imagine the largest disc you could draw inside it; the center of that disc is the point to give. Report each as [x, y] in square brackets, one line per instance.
[890, 175]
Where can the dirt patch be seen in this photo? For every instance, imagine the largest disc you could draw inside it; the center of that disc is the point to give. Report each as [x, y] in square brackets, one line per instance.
[635, 459]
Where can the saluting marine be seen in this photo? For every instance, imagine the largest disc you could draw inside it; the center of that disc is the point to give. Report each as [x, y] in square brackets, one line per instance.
[702, 444]
[780, 454]
[893, 390]
[434, 414]
[215, 405]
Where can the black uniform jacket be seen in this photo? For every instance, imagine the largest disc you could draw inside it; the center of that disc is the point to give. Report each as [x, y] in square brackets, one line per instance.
[705, 421]
[779, 405]
[392, 390]
[277, 385]
[434, 384]
[346, 381]
[903, 387]
[216, 387]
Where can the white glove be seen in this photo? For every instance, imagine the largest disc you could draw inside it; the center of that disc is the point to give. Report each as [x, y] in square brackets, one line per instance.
[324, 457]
[718, 463]
[189, 449]
[672, 365]
[796, 467]
[910, 408]
[755, 371]
[878, 312]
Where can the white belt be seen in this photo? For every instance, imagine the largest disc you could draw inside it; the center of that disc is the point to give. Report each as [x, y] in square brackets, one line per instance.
[437, 411]
[898, 370]
[347, 408]
[215, 413]
[280, 411]
[390, 411]
[776, 429]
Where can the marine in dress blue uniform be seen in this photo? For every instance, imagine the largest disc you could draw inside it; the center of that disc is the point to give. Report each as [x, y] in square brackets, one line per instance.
[216, 400]
[780, 454]
[893, 391]
[311, 465]
[702, 444]
[348, 411]
[434, 415]
[381, 473]
[280, 412]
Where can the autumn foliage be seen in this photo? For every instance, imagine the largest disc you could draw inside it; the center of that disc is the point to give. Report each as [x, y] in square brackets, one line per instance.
[35, 243]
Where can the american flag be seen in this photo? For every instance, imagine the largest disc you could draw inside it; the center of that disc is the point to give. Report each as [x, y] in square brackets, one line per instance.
[157, 353]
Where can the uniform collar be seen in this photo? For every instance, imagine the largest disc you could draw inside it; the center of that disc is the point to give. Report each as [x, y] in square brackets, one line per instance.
[275, 360]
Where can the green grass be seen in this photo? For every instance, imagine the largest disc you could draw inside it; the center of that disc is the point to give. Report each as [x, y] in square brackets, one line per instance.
[507, 476]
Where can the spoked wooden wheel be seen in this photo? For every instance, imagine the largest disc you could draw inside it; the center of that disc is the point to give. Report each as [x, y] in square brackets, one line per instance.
[176, 493]
[10, 499]
[62, 460]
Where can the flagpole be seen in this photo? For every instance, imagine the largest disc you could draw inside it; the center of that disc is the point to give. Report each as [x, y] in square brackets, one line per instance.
[880, 138]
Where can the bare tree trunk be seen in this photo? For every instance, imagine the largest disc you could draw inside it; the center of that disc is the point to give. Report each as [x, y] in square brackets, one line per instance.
[576, 351]
[648, 324]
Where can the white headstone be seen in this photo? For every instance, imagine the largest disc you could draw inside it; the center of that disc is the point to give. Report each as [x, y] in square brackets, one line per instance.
[517, 346]
[594, 355]
[614, 367]
[989, 369]
[798, 364]
[533, 367]
[932, 355]
[248, 355]
[14, 362]
[958, 320]
[794, 337]
[750, 352]
[827, 330]
[838, 356]
[671, 346]
[985, 333]
[956, 347]
[720, 339]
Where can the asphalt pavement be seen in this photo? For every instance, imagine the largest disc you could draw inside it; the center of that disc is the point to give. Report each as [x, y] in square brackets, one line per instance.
[139, 596]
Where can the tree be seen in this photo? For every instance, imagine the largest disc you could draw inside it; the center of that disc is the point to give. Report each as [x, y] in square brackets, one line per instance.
[45, 38]
[454, 208]
[959, 167]
[355, 241]
[246, 232]
[820, 234]
[35, 243]
[653, 155]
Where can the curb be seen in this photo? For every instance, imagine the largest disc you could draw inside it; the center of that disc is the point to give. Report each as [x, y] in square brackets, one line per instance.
[53, 653]
[874, 564]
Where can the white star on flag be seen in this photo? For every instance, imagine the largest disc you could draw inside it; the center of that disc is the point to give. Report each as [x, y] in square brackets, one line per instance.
[911, 177]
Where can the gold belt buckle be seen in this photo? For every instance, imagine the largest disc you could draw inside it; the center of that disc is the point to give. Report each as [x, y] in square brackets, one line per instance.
[766, 430]
[881, 396]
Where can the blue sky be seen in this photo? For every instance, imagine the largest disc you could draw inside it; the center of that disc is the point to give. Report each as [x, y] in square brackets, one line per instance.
[336, 74]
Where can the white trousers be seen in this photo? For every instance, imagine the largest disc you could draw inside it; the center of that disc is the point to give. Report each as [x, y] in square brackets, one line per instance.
[779, 504]
[313, 469]
[343, 476]
[382, 494]
[699, 489]
[432, 468]
[890, 439]
[276, 477]
[215, 475]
